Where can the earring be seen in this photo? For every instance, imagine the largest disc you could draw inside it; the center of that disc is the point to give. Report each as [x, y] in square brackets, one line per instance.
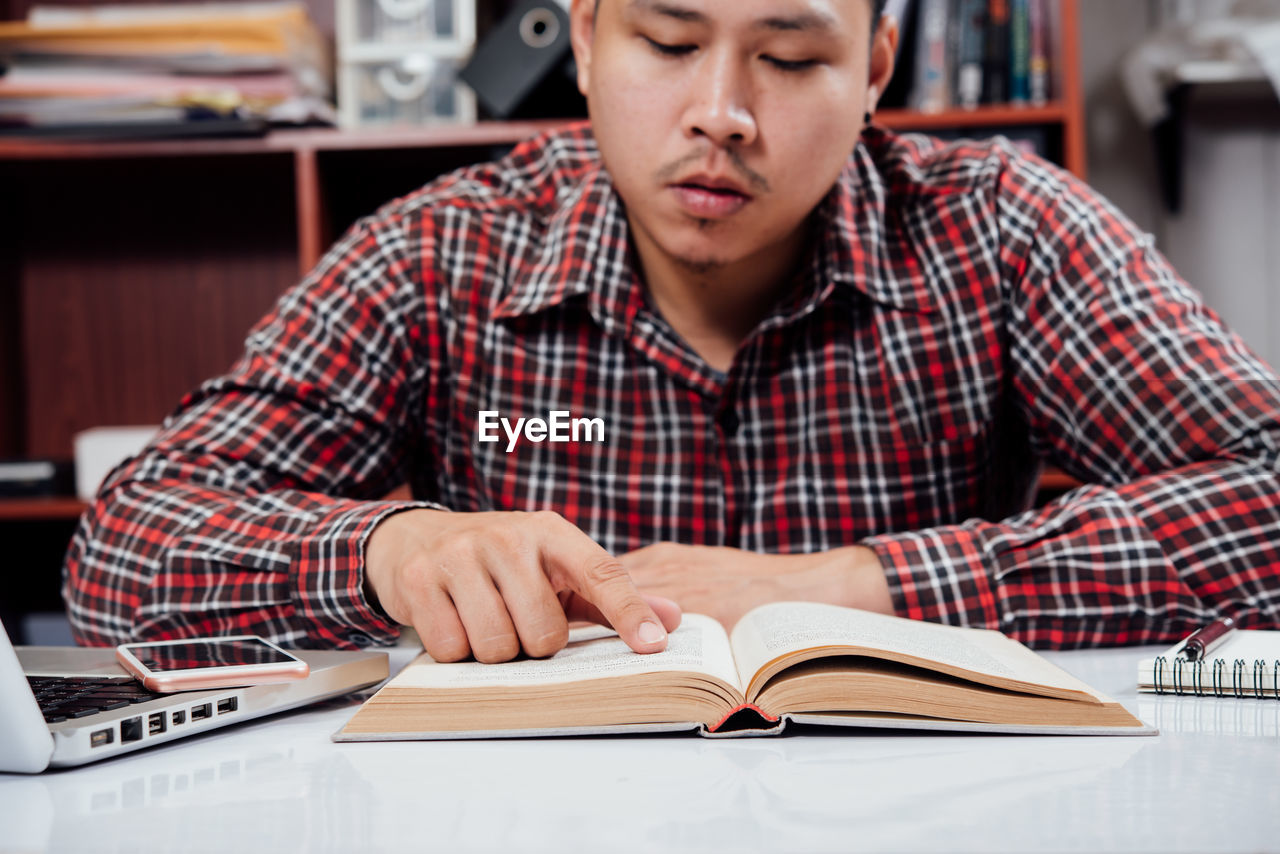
[866, 119]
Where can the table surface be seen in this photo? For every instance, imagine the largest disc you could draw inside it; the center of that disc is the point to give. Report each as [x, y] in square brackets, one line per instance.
[1208, 782]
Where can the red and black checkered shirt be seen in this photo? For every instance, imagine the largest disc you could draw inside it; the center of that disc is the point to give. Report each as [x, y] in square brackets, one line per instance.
[965, 312]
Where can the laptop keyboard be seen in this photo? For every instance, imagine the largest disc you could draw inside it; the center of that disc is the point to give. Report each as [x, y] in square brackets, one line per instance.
[63, 697]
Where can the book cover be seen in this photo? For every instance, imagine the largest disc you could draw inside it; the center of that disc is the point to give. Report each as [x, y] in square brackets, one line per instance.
[1020, 51]
[969, 22]
[1038, 52]
[995, 76]
[932, 93]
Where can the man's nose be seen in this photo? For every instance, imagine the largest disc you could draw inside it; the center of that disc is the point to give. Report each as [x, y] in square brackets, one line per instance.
[720, 102]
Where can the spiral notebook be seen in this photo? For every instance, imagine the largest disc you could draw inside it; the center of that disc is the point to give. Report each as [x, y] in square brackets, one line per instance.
[1245, 664]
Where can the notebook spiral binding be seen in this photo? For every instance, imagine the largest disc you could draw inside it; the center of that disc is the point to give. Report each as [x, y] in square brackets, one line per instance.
[1195, 684]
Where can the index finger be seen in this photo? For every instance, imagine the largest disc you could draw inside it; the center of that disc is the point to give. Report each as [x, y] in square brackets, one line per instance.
[580, 566]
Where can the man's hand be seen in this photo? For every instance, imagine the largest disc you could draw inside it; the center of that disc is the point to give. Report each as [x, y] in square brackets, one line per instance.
[493, 584]
[726, 583]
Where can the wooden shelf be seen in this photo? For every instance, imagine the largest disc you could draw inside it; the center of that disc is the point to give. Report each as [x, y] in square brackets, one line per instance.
[40, 509]
[987, 115]
[281, 142]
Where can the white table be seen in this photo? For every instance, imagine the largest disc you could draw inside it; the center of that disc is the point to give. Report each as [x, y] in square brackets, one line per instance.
[1209, 782]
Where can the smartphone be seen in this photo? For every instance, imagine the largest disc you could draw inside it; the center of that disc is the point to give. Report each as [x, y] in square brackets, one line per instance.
[197, 663]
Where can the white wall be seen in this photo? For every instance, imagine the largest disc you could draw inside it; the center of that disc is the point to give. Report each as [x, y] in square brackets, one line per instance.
[1121, 164]
[1227, 238]
[1226, 241]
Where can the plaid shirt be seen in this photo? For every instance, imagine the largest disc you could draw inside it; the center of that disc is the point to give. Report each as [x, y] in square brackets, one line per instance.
[964, 313]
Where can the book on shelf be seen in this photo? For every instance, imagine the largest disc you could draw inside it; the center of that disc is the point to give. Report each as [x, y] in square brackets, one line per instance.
[151, 66]
[968, 27]
[1039, 24]
[931, 92]
[792, 662]
[972, 52]
[995, 71]
[36, 478]
[1020, 51]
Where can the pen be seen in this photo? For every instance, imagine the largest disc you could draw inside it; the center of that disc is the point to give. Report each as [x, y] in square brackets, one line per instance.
[1202, 640]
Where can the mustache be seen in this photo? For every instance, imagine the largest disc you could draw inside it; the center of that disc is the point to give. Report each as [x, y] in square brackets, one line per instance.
[753, 179]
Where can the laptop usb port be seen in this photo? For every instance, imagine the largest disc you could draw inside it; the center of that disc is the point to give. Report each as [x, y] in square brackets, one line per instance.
[131, 730]
[101, 737]
[227, 704]
[155, 724]
[199, 713]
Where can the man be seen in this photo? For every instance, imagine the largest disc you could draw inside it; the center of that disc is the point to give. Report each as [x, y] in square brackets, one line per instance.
[726, 363]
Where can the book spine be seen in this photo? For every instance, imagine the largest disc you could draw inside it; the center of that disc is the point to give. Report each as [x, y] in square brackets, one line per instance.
[745, 719]
[932, 86]
[970, 25]
[1218, 678]
[995, 77]
[1020, 51]
[1038, 47]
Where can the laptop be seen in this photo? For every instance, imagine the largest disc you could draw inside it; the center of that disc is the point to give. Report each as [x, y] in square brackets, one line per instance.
[64, 705]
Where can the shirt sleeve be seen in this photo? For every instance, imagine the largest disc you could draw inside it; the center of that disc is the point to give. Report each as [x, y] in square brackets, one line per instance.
[250, 510]
[1133, 386]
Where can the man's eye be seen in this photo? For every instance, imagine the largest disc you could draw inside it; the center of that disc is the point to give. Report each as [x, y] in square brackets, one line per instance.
[669, 49]
[790, 64]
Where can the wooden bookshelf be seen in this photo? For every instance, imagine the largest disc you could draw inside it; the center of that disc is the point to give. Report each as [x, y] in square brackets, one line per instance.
[40, 509]
[984, 116]
[130, 271]
[284, 140]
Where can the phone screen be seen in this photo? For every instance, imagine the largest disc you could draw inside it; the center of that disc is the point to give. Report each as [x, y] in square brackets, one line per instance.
[191, 655]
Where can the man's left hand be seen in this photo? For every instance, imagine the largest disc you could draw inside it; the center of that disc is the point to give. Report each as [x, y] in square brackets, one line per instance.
[726, 583]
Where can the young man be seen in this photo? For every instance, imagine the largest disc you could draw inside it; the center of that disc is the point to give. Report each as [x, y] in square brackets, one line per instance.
[726, 362]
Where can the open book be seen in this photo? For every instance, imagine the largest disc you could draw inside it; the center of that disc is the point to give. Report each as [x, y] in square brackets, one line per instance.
[798, 662]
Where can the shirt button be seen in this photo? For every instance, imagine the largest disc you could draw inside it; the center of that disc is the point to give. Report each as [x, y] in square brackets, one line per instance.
[360, 639]
[729, 422]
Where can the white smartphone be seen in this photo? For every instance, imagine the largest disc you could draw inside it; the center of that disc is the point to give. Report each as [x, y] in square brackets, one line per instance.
[197, 663]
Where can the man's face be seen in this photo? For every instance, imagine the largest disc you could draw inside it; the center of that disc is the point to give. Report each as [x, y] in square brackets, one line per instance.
[724, 122]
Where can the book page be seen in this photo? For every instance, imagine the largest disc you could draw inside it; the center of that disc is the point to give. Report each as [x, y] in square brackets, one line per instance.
[770, 631]
[699, 645]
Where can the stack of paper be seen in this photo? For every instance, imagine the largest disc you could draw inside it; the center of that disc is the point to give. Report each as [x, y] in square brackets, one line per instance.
[125, 69]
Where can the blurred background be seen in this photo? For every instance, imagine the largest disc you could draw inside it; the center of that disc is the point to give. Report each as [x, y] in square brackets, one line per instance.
[166, 171]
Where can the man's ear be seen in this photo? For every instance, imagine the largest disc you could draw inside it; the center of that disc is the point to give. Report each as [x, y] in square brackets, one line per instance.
[884, 51]
[582, 29]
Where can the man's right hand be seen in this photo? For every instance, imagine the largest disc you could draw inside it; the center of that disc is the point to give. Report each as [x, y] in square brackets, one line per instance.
[492, 584]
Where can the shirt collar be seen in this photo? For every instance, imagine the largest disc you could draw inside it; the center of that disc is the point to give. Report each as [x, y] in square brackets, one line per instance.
[860, 243]
[584, 250]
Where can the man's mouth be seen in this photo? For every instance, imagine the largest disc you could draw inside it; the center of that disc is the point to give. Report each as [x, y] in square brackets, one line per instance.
[709, 202]
[727, 191]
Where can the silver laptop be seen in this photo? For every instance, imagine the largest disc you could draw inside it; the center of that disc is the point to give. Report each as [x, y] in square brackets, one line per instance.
[92, 709]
